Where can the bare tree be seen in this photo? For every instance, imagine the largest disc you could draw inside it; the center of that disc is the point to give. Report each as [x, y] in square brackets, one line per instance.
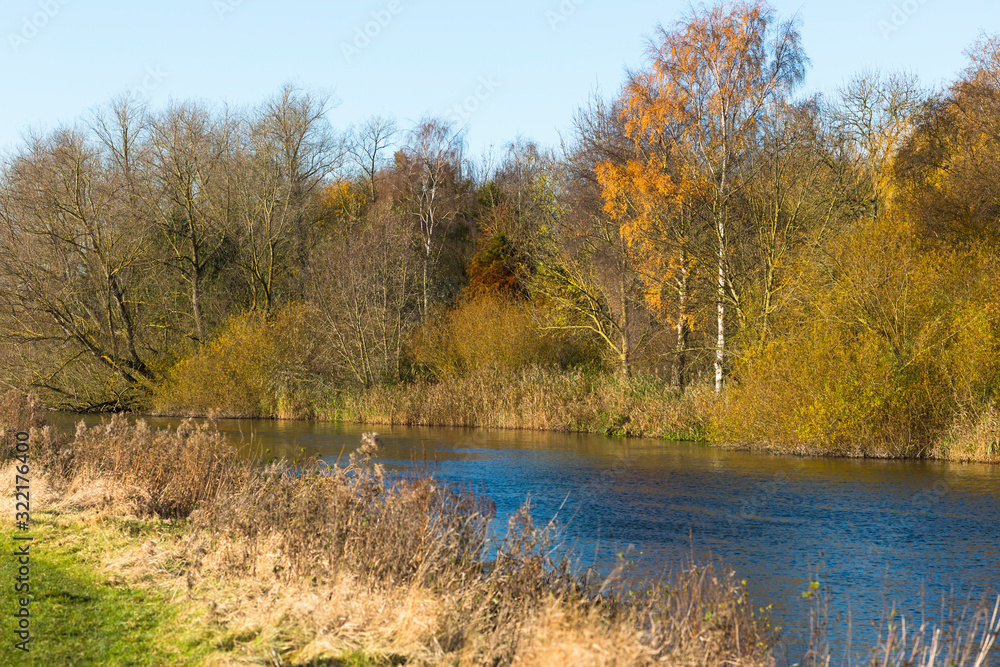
[364, 284]
[287, 151]
[367, 145]
[74, 266]
[188, 195]
[591, 272]
[877, 113]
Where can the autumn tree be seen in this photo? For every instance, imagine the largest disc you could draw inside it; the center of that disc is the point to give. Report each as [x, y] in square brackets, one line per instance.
[648, 191]
[802, 188]
[948, 168]
[509, 222]
[708, 81]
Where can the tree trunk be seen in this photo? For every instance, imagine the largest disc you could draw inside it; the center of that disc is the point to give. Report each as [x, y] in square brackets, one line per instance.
[196, 289]
[680, 358]
[720, 345]
[427, 259]
[626, 347]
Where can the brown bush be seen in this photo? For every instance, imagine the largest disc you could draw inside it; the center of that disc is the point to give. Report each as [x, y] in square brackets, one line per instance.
[163, 472]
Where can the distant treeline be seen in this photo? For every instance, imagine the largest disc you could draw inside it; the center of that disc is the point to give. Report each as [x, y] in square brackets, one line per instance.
[825, 266]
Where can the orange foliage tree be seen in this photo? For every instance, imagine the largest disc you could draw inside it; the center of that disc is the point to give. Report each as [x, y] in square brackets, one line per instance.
[693, 116]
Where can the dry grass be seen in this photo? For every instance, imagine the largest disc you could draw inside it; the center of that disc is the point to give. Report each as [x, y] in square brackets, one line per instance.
[166, 473]
[961, 642]
[972, 437]
[18, 412]
[537, 398]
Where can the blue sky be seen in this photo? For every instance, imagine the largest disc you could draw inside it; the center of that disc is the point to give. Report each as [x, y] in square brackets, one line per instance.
[503, 69]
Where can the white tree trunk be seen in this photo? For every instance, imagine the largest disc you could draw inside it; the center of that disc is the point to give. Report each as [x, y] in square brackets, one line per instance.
[720, 345]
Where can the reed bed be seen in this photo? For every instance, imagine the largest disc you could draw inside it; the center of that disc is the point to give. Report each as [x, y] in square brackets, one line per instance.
[536, 397]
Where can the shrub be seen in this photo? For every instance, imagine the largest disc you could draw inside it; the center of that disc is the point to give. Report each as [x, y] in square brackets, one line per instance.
[486, 331]
[888, 341]
[255, 367]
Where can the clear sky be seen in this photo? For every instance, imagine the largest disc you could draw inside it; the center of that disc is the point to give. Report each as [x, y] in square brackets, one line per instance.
[503, 69]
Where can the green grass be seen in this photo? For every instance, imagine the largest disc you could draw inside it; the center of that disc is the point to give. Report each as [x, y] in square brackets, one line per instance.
[83, 616]
[82, 613]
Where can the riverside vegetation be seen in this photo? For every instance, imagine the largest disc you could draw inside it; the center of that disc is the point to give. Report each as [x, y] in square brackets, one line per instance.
[167, 547]
[722, 260]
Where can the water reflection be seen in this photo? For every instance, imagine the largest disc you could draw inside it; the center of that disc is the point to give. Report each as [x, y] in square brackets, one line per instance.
[874, 531]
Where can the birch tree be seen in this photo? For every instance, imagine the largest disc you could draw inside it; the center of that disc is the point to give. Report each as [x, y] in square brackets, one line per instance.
[433, 162]
[709, 79]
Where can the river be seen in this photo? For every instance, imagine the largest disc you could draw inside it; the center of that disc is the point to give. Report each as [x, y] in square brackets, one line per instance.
[875, 533]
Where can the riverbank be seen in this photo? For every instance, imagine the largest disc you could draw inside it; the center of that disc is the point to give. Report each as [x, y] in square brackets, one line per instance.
[589, 401]
[167, 536]
[114, 589]
[164, 534]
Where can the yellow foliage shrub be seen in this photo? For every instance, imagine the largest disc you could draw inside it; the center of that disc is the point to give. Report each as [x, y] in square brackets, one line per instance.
[486, 331]
[891, 341]
[255, 367]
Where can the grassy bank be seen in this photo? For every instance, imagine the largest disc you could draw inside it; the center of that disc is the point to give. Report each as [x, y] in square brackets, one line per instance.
[98, 598]
[146, 558]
